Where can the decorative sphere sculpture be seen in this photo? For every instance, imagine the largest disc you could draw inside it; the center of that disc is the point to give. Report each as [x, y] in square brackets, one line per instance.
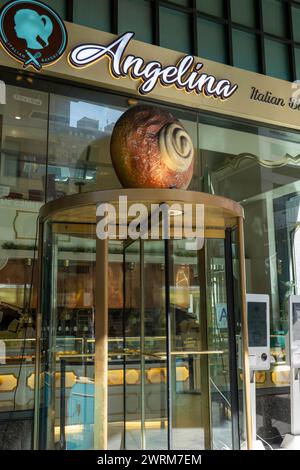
[151, 149]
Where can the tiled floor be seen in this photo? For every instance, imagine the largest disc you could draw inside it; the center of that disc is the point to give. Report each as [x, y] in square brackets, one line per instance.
[156, 439]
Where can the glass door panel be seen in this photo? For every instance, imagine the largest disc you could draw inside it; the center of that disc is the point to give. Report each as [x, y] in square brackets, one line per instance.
[133, 417]
[218, 339]
[155, 368]
[67, 338]
[115, 431]
[145, 346]
[190, 405]
[176, 338]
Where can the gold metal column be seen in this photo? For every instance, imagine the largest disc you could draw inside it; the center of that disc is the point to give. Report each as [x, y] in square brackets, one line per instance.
[246, 371]
[101, 346]
[204, 358]
[37, 366]
[142, 345]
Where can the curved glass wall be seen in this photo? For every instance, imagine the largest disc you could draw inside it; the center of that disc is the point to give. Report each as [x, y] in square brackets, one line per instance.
[170, 379]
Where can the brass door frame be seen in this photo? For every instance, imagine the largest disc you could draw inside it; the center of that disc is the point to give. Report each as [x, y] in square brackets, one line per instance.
[229, 212]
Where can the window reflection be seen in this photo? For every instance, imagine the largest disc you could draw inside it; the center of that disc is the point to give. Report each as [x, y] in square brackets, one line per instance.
[23, 156]
[79, 139]
[260, 169]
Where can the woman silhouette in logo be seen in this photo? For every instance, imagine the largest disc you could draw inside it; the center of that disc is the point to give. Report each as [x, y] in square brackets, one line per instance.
[34, 28]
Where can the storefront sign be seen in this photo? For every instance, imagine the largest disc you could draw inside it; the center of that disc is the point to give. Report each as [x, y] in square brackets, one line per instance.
[32, 33]
[266, 97]
[185, 75]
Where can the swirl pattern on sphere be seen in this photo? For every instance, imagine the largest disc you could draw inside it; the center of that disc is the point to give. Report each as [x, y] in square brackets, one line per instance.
[176, 147]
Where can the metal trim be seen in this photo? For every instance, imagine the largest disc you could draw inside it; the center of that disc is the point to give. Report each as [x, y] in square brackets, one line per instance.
[204, 359]
[168, 270]
[142, 343]
[147, 194]
[37, 367]
[244, 320]
[233, 373]
[101, 346]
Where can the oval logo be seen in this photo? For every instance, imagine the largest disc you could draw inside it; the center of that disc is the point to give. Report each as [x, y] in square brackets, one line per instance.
[32, 33]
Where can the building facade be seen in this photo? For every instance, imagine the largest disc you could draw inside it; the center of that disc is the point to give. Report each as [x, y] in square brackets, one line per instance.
[56, 125]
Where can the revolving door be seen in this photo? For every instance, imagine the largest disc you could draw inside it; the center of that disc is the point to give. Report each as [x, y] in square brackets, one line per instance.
[140, 341]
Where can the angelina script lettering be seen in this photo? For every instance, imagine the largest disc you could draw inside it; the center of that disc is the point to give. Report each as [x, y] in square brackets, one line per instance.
[186, 75]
